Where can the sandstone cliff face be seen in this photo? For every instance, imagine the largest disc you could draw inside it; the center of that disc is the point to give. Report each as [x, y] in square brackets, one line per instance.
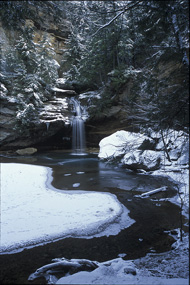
[54, 116]
[43, 22]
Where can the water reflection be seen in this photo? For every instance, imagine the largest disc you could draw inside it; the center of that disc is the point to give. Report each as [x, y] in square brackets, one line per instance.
[89, 173]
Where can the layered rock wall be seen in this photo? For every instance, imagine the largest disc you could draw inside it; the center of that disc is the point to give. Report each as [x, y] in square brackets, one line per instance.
[54, 115]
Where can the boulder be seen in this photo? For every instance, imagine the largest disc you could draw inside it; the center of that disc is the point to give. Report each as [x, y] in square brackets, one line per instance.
[184, 156]
[147, 160]
[130, 270]
[129, 149]
[118, 144]
[26, 151]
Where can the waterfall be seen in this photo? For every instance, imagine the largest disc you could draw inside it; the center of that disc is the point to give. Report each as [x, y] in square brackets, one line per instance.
[78, 132]
[47, 125]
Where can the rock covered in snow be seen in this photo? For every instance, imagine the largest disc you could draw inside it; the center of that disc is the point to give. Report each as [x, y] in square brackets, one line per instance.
[119, 143]
[138, 151]
[26, 151]
[130, 270]
[184, 158]
[129, 148]
[180, 152]
[63, 92]
[177, 143]
[147, 160]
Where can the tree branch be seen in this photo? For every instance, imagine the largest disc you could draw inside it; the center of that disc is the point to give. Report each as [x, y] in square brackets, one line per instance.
[126, 8]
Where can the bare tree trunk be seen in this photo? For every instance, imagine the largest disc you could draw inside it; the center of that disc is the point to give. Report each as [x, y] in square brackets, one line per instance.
[179, 37]
[165, 146]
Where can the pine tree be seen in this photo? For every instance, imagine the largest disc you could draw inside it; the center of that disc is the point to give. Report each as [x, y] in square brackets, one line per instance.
[47, 69]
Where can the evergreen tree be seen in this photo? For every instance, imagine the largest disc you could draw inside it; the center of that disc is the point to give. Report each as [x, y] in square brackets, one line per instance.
[30, 73]
[47, 69]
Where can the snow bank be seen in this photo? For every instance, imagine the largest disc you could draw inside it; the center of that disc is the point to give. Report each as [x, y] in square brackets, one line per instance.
[119, 271]
[166, 268]
[32, 213]
[138, 151]
[130, 149]
[179, 175]
[117, 144]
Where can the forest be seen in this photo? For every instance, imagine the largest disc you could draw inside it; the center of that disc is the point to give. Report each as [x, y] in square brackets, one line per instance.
[136, 48]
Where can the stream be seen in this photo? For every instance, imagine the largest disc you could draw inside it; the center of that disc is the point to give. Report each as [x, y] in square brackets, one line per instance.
[153, 216]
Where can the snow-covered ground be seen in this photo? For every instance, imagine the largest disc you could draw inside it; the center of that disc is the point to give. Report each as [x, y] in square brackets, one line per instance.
[32, 213]
[170, 268]
[180, 175]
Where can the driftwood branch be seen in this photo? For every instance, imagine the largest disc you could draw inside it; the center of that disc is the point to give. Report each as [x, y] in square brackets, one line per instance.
[152, 192]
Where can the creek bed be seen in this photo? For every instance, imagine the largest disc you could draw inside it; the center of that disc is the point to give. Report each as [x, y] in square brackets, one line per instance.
[153, 216]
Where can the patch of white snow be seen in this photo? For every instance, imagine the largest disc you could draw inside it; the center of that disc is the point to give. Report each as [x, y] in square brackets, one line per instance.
[34, 212]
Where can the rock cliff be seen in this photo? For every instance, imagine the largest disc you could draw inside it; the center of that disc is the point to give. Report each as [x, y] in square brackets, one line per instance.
[53, 116]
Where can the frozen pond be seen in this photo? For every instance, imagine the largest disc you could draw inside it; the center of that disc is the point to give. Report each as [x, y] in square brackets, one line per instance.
[70, 174]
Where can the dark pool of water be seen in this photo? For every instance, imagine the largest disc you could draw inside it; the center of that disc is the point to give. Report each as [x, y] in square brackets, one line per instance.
[153, 216]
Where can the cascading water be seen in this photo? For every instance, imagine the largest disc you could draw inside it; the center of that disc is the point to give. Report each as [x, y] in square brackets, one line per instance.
[78, 132]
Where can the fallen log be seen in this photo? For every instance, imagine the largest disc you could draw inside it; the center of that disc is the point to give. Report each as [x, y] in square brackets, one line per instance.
[63, 265]
[152, 192]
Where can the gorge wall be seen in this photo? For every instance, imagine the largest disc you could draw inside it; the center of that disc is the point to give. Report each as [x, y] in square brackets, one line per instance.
[116, 105]
[53, 116]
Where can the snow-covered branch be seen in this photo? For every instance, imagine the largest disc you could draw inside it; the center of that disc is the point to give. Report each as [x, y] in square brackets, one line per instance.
[63, 265]
[126, 8]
